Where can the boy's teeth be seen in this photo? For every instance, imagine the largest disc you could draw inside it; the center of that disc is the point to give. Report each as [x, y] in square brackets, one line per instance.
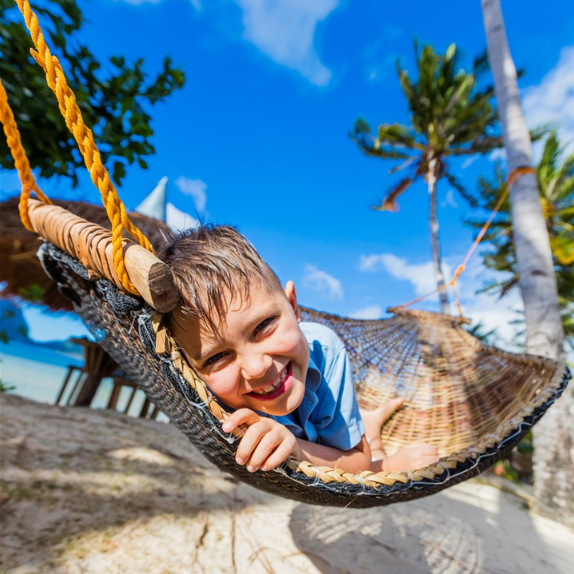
[275, 385]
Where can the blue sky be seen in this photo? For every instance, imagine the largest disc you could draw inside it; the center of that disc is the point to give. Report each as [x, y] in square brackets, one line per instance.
[258, 136]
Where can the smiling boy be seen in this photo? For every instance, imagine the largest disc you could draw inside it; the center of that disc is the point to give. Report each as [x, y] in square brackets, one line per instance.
[288, 382]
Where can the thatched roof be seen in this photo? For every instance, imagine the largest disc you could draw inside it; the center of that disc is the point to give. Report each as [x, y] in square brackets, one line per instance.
[19, 266]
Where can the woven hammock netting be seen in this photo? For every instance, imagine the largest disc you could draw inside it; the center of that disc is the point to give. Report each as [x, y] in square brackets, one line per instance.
[472, 401]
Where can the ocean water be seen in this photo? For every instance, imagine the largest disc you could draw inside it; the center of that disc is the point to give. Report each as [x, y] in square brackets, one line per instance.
[37, 373]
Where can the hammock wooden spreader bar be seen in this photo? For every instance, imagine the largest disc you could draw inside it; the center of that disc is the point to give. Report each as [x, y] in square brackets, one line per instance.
[92, 245]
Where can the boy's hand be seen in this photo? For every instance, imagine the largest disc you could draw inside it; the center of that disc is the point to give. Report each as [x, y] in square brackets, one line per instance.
[411, 457]
[266, 443]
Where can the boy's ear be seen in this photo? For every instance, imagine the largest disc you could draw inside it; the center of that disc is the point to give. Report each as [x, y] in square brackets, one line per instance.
[291, 295]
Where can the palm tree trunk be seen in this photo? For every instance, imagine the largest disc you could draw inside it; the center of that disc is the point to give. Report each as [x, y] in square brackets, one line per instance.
[431, 180]
[554, 435]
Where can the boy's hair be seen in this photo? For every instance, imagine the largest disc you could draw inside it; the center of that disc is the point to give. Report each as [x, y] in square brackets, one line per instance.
[211, 263]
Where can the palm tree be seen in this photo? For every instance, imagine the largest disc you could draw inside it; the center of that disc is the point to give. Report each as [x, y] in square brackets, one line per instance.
[553, 464]
[555, 175]
[450, 116]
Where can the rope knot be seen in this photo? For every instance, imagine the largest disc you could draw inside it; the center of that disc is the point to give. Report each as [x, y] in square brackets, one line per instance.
[458, 271]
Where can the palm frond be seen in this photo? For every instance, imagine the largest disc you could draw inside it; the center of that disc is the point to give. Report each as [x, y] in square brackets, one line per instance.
[563, 248]
[389, 203]
[361, 127]
[483, 144]
[478, 331]
[396, 135]
[541, 131]
[407, 163]
[481, 64]
[556, 183]
[473, 202]
[384, 153]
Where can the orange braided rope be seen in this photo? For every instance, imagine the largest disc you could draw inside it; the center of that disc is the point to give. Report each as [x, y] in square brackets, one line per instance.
[29, 184]
[513, 176]
[84, 138]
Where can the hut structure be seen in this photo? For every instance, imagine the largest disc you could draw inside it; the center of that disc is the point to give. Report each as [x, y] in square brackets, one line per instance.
[22, 277]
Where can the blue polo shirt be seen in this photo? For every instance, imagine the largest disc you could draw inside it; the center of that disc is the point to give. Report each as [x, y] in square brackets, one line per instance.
[329, 412]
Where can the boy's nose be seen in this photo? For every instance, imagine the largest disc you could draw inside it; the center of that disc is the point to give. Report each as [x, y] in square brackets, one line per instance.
[255, 365]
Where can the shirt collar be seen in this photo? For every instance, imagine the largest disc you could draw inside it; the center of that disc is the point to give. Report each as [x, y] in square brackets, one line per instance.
[313, 379]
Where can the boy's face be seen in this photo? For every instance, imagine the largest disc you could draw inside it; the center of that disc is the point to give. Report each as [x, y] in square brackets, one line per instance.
[260, 358]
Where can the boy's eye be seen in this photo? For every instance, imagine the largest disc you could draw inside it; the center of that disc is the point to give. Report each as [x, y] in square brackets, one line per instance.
[213, 359]
[265, 323]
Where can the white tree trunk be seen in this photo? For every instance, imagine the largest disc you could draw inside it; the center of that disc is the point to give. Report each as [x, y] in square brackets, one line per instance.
[554, 435]
[431, 180]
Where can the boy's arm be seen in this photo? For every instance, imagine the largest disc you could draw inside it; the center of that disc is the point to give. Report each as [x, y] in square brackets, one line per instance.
[355, 460]
[267, 443]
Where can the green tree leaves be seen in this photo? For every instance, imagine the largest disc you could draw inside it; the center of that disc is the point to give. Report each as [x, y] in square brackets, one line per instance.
[115, 103]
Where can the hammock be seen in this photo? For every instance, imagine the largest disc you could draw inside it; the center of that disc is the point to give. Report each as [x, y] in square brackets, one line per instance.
[472, 401]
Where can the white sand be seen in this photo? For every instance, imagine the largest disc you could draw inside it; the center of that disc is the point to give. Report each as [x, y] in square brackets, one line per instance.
[95, 492]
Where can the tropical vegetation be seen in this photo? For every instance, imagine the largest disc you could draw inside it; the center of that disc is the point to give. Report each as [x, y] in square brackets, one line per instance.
[555, 175]
[450, 116]
[115, 97]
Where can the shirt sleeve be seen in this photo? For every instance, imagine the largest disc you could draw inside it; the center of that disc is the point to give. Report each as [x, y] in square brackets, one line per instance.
[340, 424]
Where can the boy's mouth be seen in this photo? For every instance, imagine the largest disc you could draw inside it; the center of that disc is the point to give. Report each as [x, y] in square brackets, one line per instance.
[275, 389]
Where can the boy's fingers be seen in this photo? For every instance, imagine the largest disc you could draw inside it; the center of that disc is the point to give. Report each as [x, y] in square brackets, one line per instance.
[249, 443]
[263, 449]
[240, 417]
[279, 455]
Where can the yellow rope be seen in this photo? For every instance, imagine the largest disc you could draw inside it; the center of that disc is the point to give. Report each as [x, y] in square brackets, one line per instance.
[29, 184]
[84, 138]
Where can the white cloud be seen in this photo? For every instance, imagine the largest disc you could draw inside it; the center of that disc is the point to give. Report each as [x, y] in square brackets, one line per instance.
[368, 312]
[196, 189]
[381, 56]
[321, 281]
[449, 200]
[499, 154]
[469, 160]
[284, 30]
[421, 275]
[44, 325]
[177, 219]
[552, 101]
[383, 68]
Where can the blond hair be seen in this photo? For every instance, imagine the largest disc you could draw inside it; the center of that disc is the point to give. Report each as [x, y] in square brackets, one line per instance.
[214, 265]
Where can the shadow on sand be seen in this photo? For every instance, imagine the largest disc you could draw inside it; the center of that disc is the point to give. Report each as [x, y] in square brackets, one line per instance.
[473, 529]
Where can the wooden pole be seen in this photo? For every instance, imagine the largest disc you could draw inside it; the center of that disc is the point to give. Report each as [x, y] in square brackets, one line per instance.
[91, 244]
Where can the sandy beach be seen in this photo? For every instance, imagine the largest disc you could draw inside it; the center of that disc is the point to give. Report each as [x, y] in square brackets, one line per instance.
[88, 491]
